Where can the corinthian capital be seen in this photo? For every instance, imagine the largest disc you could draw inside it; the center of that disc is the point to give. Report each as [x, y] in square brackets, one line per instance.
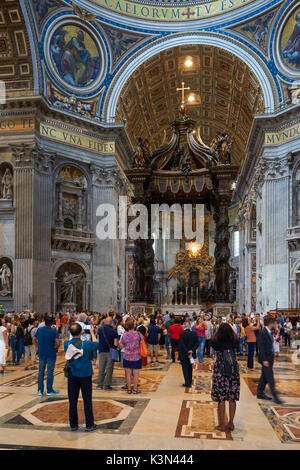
[277, 167]
[23, 155]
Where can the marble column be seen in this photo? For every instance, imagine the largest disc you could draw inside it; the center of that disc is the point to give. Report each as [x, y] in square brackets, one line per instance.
[33, 208]
[106, 253]
[274, 253]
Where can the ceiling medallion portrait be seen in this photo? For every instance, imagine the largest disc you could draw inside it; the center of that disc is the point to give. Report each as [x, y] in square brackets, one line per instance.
[76, 56]
[288, 43]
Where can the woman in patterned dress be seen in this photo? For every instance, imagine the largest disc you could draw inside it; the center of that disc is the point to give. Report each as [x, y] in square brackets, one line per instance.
[225, 388]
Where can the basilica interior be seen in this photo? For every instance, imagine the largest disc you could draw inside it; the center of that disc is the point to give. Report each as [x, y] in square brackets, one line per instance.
[159, 103]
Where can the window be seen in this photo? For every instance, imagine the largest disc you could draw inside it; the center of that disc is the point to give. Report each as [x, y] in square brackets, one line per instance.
[236, 243]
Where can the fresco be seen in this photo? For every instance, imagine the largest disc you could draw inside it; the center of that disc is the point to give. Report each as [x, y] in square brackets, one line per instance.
[75, 55]
[290, 41]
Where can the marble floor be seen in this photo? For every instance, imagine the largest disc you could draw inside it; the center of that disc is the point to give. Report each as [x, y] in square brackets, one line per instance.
[164, 416]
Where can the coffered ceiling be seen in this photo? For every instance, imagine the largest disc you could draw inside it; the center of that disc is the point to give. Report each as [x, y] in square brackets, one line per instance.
[15, 55]
[229, 92]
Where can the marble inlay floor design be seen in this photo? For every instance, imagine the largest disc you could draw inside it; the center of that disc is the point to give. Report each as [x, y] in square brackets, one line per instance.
[4, 395]
[111, 415]
[285, 387]
[285, 420]
[164, 416]
[198, 419]
[200, 384]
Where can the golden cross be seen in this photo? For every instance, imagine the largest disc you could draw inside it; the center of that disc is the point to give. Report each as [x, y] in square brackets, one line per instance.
[182, 89]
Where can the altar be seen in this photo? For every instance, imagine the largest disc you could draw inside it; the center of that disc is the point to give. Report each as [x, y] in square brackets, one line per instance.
[183, 170]
[218, 309]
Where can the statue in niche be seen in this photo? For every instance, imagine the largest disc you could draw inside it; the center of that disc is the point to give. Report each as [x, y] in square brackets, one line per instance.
[7, 184]
[6, 280]
[221, 148]
[142, 154]
[68, 283]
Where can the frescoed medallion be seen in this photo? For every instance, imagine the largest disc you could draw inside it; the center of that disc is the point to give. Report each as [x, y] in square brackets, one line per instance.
[75, 56]
[290, 42]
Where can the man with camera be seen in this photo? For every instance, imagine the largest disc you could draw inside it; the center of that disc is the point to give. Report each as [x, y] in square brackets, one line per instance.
[80, 371]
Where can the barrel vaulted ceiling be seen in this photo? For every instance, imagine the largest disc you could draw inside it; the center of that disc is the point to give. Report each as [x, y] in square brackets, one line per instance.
[230, 95]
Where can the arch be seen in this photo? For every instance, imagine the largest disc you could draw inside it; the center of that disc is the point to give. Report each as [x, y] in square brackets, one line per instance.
[295, 270]
[59, 263]
[254, 63]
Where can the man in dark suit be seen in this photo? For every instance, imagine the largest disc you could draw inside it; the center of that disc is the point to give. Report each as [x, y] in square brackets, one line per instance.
[187, 347]
[266, 359]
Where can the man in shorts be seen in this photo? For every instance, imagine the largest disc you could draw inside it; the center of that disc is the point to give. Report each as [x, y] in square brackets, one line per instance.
[154, 333]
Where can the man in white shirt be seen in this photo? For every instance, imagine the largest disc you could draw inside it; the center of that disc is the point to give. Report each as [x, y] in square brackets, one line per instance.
[85, 336]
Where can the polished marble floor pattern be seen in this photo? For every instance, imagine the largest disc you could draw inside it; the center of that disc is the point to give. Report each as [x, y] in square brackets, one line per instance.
[164, 416]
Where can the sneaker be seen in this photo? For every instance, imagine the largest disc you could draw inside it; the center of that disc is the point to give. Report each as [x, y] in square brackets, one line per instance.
[40, 394]
[53, 393]
[99, 387]
[74, 429]
[108, 388]
[33, 368]
[92, 428]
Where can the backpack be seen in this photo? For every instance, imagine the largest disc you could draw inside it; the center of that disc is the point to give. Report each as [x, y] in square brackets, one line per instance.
[27, 339]
[19, 333]
[230, 366]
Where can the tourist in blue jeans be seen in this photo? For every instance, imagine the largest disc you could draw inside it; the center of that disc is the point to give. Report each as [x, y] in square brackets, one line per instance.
[48, 343]
[200, 328]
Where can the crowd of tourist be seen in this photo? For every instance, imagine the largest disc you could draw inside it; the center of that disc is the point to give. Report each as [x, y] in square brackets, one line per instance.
[101, 340]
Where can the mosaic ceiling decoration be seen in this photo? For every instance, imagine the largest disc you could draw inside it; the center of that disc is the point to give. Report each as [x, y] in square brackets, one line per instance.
[290, 42]
[171, 10]
[15, 55]
[226, 95]
[258, 30]
[120, 41]
[75, 55]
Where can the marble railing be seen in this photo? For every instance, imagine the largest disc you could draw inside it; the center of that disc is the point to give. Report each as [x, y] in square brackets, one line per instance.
[293, 233]
[72, 240]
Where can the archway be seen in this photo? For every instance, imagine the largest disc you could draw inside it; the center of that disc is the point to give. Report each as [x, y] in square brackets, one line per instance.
[224, 96]
[255, 64]
[71, 291]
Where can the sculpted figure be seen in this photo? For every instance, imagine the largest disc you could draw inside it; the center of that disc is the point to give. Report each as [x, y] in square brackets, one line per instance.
[68, 284]
[142, 154]
[6, 280]
[7, 184]
[221, 148]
